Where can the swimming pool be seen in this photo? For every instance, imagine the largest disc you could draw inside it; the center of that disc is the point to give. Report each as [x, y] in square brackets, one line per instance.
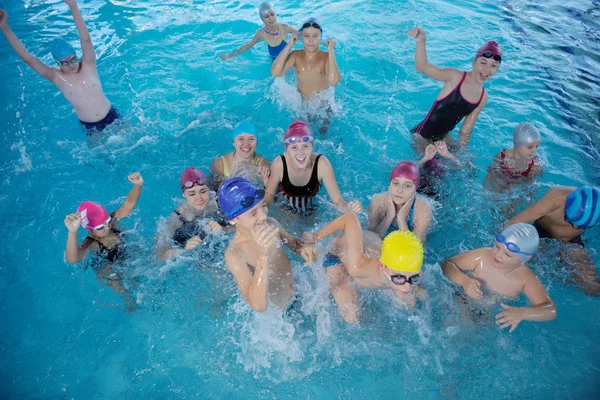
[63, 335]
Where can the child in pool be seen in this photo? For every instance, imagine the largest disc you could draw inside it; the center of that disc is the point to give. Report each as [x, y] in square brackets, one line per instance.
[519, 165]
[244, 156]
[104, 237]
[400, 204]
[393, 264]
[501, 269]
[564, 213]
[255, 257]
[315, 70]
[462, 96]
[76, 79]
[189, 224]
[273, 33]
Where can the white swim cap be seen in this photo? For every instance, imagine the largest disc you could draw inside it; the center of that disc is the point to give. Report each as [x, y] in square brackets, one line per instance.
[520, 239]
[264, 8]
[524, 134]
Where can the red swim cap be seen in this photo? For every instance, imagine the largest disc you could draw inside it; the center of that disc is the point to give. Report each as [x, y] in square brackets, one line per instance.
[92, 214]
[193, 175]
[490, 46]
[297, 129]
[408, 170]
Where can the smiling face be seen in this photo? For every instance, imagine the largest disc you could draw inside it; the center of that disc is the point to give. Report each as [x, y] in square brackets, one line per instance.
[299, 154]
[197, 197]
[528, 151]
[484, 69]
[401, 190]
[311, 37]
[245, 145]
[504, 259]
[269, 18]
[254, 218]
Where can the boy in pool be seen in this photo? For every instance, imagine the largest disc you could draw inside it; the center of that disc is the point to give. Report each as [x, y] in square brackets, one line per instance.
[273, 33]
[462, 96]
[76, 79]
[393, 264]
[104, 237]
[255, 256]
[564, 213]
[519, 165]
[501, 269]
[315, 70]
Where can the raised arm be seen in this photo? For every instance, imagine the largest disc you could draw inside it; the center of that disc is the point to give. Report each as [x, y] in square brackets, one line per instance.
[132, 198]
[454, 268]
[15, 43]
[464, 136]
[331, 68]
[87, 47]
[74, 252]
[423, 66]
[286, 59]
[544, 206]
[255, 39]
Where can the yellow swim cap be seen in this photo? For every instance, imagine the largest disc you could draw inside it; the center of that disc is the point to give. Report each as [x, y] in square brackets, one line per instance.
[402, 251]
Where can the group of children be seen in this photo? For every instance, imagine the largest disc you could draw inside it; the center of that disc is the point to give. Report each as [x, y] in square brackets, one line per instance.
[389, 253]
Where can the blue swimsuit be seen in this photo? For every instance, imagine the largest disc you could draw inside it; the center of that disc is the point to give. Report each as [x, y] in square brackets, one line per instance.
[275, 50]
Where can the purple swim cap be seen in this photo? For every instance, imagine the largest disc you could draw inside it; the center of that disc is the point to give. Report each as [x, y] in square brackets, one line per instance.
[238, 195]
[408, 170]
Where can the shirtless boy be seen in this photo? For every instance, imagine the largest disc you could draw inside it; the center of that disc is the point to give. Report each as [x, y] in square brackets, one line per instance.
[315, 70]
[76, 79]
[255, 256]
[393, 264]
[564, 213]
[501, 269]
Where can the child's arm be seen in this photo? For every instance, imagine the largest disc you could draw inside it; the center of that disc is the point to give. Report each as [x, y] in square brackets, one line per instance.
[87, 47]
[74, 252]
[288, 29]
[15, 43]
[327, 175]
[378, 221]
[132, 198]
[257, 37]
[467, 127]
[422, 218]
[423, 66]
[286, 59]
[492, 177]
[454, 266]
[544, 206]
[275, 177]
[331, 68]
[308, 253]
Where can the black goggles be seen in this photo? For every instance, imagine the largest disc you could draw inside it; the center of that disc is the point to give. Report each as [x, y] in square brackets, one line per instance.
[489, 54]
[311, 25]
[400, 279]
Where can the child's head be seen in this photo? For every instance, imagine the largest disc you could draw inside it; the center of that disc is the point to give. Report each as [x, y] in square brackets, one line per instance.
[267, 14]
[401, 260]
[194, 188]
[404, 181]
[311, 32]
[515, 245]
[526, 140]
[582, 207]
[486, 62]
[94, 218]
[65, 56]
[244, 139]
[243, 203]
[298, 141]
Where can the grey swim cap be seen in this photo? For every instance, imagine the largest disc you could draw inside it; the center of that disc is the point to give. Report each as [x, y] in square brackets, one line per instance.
[520, 239]
[264, 8]
[524, 134]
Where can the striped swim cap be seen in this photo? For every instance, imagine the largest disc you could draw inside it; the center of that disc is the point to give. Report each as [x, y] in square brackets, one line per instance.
[582, 207]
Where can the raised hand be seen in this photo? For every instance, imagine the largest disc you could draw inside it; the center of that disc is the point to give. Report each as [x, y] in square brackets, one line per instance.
[136, 179]
[472, 288]
[442, 148]
[264, 173]
[430, 151]
[511, 316]
[417, 33]
[225, 56]
[330, 43]
[72, 222]
[192, 242]
[3, 19]
[294, 38]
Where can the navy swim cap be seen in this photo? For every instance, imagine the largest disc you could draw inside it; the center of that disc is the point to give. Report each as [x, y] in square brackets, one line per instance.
[238, 195]
[582, 207]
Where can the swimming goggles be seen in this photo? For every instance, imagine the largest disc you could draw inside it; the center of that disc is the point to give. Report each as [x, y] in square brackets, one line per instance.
[103, 225]
[311, 25]
[399, 279]
[513, 248]
[247, 201]
[191, 184]
[71, 60]
[296, 139]
[489, 54]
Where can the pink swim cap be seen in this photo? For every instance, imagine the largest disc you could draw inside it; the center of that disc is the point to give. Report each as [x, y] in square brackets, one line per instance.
[492, 47]
[193, 175]
[408, 170]
[297, 129]
[92, 214]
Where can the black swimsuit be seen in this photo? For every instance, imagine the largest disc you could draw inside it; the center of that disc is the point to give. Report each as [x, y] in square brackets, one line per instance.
[300, 198]
[446, 113]
[115, 253]
[187, 230]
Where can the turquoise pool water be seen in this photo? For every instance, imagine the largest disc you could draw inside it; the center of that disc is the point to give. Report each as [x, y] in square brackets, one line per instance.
[63, 335]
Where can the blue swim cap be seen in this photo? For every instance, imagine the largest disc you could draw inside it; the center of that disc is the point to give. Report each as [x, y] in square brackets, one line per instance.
[238, 195]
[582, 207]
[60, 49]
[245, 126]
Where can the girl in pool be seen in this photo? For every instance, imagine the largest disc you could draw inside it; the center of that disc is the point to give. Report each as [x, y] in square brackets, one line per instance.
[274, 33]
[400, 208]
[519, 165]
[194, 219]
[462, 97]
[242, 158]
[104, 237]
[298, 174]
